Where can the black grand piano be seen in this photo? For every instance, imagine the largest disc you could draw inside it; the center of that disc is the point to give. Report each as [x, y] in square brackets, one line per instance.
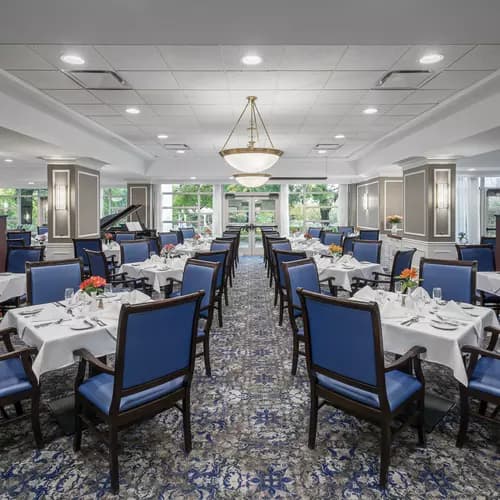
[116, 222]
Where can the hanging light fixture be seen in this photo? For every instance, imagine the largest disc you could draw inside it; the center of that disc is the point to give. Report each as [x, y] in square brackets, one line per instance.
[251, 159]
[252, 180]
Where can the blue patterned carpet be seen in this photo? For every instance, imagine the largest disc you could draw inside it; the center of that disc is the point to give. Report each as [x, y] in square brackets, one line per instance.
[250, 433]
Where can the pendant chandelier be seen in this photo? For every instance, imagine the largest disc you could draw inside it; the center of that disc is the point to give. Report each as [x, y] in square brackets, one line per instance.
[251, 159]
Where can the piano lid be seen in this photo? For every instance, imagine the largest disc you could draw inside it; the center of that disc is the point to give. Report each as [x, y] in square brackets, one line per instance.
[111, 220]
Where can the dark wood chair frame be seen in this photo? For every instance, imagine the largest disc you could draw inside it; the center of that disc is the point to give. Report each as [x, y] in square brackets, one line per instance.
[270, 258]
[231, 262]
[111, 260]
[24, 354]
[237, 244]
[16, 241]
[131, 242]
[46, 263]
[382, 416]
[265, 235]
[117, 420]
[361, 230]
[324, 233]
[369, 242]
[19, 232]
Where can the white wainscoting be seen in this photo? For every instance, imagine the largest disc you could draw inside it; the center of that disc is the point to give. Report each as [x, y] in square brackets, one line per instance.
[59, 251]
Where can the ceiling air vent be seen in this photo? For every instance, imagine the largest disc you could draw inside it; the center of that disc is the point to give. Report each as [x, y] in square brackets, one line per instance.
[403, 79]
[98, 79]
[176, 147]
[327, 147]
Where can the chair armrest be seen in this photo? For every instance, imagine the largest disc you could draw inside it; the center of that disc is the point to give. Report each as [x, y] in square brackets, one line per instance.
[495, 332]
[86, 356]
[174, 280]
[18, 353]
[377, 274]
[480, 352]
[5, 336]
[402, 362]
[112, 260]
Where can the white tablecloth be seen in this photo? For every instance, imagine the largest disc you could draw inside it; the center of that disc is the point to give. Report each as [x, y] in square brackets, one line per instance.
[310, 247]
[112, 250]
[56, 343]
[189, 248]
[488, 282]
[12, 285]
[157, 273]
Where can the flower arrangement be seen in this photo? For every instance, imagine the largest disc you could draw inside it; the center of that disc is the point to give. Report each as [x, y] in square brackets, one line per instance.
[307, 236]
[167, 250]
[197, 236]
[394, 219]
[335, 249]
[208, 231]
[408, 279]
[94, 284]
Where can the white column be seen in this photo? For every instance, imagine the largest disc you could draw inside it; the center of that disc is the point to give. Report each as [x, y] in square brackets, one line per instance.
[284, 219]
[218, 216]
[343, 204]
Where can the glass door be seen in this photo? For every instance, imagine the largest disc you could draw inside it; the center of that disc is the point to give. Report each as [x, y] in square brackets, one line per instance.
[250, 212]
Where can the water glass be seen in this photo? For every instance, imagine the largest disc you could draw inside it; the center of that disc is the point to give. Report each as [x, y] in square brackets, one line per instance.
[437, 295]
[151, 254]
[69, 293]
[108, 290]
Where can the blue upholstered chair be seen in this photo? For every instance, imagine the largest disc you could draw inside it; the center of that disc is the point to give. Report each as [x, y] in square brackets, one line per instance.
[457, 279]
[236, 236]
[221, 286]
[153, 245]
[171, 238]
[154, 364]
[18, 382]
[20, 235]
[483, 373]
[278, 243]
[187, 232]
[347, 245]
[124, 236]
[82, 244]
[488, 240]
[369, 234]
[331, 238]
[266, 236]
[40, 230]
[134, 251]
[402, 260]
[314, 231]
[47, 281]
[300, 274]
[345, 362]
[367, 250]
[17, 258]
[201, 275]
[219, 244]
[15, 243]
[346, 230]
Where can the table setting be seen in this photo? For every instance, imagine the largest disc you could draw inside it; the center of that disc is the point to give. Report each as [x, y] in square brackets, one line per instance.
[12, 285]
[488, 282]
[192, 246]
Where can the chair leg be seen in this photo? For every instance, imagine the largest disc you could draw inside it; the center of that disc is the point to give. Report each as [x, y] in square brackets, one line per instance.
[421, 421]
[275, 295]
[77, 438]
[225, 295]
[385, 454]
[295, 355]
[206, 355]
[464, 416]
[35, 419]
[4, 413]
[19, 408]
[186, 421]
[483, 406]
[282, 307]
[313, 418]
[113, 459]
[230, 279]
[219, 309]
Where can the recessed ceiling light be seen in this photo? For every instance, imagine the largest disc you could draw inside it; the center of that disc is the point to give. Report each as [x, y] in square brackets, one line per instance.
[8, 160]
[431, 58]
[231, 177]
[251, 59]
[340, 136]
[471, 169]
[321, 151]
[133, 111]
[180, 151]
[370, 111]
[193, 177]
[73, 59]
[31, 183]
[162, 136]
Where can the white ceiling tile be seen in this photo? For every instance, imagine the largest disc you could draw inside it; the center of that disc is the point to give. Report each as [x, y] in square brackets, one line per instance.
[132, 57]
[47, 79]
[172, 109]
[411, 58]
[145, 111]
[93, 109]
[353, 80]
[192, 56]
[359, 108]
[163, 96]
[312, 56]
[456, 79]
[367, 57]
[410, 109]
[296, 97]
[272, 56]
[215, 110]
[150, 80]
[108, 121]
[303, 79]
[21, 57]
[340, 96]
[481, 57]
[331, 109]
[428, 96]
[73, 96]
[264, 97]
[388, 121]
[118, 96]
[385, 96]
[201, 80]
[252, 80]
[53, 53]
[129, 132]
[207, 96]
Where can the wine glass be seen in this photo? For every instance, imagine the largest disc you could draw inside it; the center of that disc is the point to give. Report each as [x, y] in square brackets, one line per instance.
[69, 293]
[398, 288]
[437, 295]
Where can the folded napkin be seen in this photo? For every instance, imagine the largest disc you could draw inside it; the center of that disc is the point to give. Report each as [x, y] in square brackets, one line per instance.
[365, 294]
[393, 310]
[111, 311]
[420, 293]
[453, 310]
[344, 259]
[155, 259]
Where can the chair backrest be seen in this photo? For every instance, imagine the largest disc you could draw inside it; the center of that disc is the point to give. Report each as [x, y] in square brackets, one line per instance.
[187, 232]
[456, 278]
[152, 245]
[331, 238]
[47, 281]
[15, 242]
[200, 275]
[18, 256]
[134, 251]
[344, 342]
[347, 245]
[300, 274]
[218, 246]
[484, 255]
[20, 235]
[42, 230]
[170, 238]
[369, 234]
[346, 230]
[367, 250]
[402, 260]
[268, 229]
[488, 240]
[281, 256]
[156, 343]
[98, 264]
[82, 244]
[221, 257]
[124, 236]
[314, 231]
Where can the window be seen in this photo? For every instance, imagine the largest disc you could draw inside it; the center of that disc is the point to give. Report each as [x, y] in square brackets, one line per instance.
[186, 205]
[114, 199]
[312, 204]
[238, 188]
[26, 208]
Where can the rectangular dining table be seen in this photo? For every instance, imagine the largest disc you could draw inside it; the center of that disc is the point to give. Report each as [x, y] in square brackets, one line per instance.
[12, 285]
[488, 282]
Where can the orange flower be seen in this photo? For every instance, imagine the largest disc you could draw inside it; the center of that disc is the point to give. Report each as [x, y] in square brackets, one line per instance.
[335, 249]
[93, 283]
[408, 273]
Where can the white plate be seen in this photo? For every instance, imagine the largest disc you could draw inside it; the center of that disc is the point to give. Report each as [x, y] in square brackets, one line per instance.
[466, 306]
[443, 326]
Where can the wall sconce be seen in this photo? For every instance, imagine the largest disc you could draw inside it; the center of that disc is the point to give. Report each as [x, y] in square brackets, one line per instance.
[442, 195]
[364, 201]
[61, 197]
